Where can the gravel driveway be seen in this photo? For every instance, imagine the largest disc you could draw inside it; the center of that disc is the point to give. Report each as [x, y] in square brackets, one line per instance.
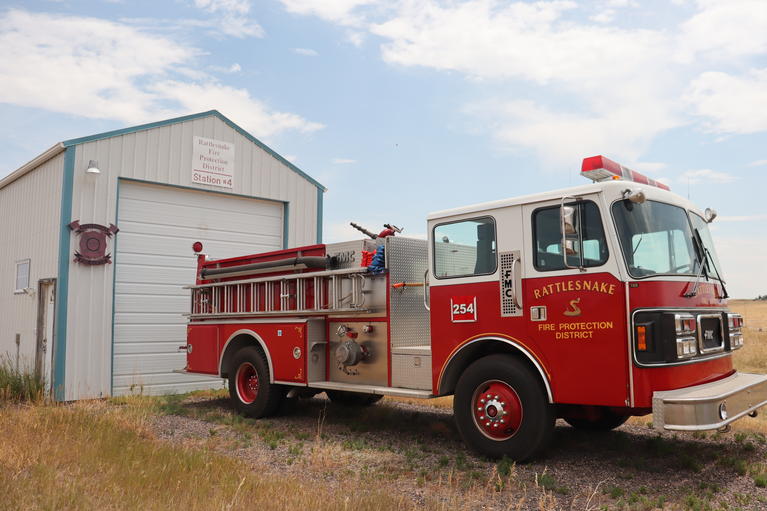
[414, 450]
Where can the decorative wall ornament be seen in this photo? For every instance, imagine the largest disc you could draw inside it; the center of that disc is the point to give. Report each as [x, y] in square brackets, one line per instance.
[93, 242]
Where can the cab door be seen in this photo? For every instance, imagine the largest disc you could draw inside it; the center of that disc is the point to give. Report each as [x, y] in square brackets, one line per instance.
[575, 301]
[475, 276]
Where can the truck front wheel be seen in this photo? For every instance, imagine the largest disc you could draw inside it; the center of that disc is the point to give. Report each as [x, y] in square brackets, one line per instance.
[501, 408]
[250, 390]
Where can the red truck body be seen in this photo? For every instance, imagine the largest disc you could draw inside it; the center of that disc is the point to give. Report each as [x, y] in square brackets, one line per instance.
[527, 310]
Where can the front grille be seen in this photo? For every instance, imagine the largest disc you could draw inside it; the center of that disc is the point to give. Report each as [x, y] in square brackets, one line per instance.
[710, 333]
[703, 334]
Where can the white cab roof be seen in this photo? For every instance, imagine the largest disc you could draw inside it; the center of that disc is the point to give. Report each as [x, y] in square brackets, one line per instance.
[612, 190]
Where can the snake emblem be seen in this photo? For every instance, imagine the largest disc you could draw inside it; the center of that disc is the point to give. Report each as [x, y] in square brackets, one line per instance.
[574, 309]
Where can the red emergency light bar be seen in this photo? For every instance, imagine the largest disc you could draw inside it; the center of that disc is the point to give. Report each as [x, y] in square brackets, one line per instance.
[599, 168]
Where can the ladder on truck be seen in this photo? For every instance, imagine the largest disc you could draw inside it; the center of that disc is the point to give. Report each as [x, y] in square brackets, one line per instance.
[313, 293]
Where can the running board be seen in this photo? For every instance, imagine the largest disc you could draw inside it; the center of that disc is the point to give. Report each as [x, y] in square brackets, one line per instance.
[371, 389]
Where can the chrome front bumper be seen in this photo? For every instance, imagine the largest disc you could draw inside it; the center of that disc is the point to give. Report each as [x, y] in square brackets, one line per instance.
[711, 405]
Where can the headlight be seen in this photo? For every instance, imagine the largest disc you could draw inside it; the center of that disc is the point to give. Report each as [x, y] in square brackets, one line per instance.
[686, 344]
[735, 327]
[686, 347]
[685, 324]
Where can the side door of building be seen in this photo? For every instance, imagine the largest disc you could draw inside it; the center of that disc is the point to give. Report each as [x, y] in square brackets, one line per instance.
[575, 302]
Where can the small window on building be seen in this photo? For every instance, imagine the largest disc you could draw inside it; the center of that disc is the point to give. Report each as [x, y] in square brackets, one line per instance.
[465, 248]
[22, 276]
[589, 248]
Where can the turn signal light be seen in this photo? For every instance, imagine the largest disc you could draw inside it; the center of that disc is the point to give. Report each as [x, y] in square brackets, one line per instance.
[642, 338]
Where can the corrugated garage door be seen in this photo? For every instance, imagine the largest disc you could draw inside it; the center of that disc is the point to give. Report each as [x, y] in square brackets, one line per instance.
[154, 260]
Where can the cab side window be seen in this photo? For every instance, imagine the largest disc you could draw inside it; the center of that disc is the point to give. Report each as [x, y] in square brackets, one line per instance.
[465, 248]
[588, 248]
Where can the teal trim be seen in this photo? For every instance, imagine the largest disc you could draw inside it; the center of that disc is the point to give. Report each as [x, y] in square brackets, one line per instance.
[142, 127]
[320, 196]
[114, 279]
[285, 227]
[62, 287]
[269, 150]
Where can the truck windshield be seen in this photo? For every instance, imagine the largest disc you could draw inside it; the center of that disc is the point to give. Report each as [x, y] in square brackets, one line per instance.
[656, 238]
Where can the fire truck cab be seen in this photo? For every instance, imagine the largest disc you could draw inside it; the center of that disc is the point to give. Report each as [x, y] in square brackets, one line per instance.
[590, 304]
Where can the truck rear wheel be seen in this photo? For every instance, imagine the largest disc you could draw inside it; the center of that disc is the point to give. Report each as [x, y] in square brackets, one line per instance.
[250, 390]
[345, 398]
[501, 409]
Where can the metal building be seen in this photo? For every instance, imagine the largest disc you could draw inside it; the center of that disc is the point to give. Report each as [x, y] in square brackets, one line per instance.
[96, 246]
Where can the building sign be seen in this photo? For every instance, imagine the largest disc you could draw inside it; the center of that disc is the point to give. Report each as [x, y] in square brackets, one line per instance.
[94, 239]
[212, 162]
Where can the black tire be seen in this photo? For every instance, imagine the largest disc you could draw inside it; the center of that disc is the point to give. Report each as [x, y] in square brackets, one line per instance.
[606, 422]
[345, 398]
[516, 420]
[249, 369]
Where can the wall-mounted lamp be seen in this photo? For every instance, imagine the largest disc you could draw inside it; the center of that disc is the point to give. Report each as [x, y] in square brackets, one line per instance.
[93, 168]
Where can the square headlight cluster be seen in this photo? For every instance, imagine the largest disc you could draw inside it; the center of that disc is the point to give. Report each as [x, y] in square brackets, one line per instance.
[735, 324]
[686, 342]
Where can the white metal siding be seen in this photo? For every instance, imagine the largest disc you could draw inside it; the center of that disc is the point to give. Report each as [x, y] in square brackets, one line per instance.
[154, 260]
[163, 155]
[30, 208]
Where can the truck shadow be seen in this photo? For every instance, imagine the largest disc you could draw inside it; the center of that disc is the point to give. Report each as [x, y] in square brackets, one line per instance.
[634, 454]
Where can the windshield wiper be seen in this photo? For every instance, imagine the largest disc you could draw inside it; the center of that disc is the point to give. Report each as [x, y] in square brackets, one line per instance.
[718, 275]
[701, 259]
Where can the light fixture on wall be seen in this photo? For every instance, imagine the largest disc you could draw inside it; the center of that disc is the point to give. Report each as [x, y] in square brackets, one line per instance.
[93, 168]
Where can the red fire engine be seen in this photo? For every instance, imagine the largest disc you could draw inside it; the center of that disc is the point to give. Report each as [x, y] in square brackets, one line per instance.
[590, 304]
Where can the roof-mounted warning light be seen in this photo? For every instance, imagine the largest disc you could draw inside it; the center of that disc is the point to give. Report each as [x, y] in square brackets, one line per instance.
[599, 168]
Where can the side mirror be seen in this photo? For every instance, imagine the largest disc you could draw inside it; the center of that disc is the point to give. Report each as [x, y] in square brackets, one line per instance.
[567, 220]
[571, 236]
[709, 214]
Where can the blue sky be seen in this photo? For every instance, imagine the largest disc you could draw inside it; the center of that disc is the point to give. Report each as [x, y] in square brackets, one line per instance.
[402, 107]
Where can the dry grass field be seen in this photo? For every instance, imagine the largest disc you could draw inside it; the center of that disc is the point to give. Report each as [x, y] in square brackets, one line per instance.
[752, 358]
[194, 452]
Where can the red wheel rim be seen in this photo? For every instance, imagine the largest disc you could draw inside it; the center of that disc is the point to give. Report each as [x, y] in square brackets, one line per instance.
[497, 410]
[247, 383]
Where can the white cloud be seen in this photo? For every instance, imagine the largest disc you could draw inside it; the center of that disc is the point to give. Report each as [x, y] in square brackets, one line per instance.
[343, 161]
[102, 69]
[605, 16]
[705, 176]
[561, 138]
[307, 52]
[252, 114]
[607, 105]
[594, 86]
[757, 163]
[233, 19]
[234, 68]
[725, 29]
[356, 38]
[730, 104]
[241, 7]
[337, 11]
